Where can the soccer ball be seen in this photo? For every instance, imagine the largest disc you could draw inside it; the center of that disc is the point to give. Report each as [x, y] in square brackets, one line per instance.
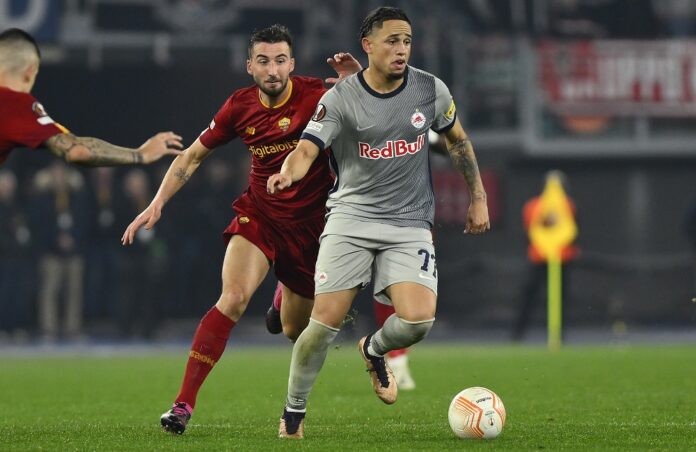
[477, 413]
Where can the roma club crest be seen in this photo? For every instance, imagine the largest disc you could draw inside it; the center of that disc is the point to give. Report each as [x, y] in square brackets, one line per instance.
[284, 124]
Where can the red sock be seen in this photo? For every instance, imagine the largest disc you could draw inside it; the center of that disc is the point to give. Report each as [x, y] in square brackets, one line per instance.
[208, 344]
[382, 313]
[278, 296]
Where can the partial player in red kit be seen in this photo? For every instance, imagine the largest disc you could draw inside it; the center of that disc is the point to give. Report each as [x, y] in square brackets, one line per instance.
[269, 118]
[25, 123]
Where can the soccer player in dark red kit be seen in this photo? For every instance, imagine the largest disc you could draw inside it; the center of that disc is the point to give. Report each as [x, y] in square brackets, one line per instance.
[269, 118]
[25, 123]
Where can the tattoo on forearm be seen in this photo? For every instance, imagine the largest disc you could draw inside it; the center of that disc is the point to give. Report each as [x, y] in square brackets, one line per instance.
[99, 152]
[182, 176]
[61, 144]
[464, 160]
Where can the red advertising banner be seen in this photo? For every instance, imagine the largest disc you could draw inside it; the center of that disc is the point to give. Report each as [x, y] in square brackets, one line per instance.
[629, 78]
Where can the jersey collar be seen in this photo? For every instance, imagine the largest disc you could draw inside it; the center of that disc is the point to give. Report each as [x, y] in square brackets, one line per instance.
[401, 87]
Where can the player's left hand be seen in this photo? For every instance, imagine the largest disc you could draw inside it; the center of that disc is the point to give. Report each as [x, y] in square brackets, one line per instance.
[344, 64]
[477, 221]
[277, 183]
[164, 143]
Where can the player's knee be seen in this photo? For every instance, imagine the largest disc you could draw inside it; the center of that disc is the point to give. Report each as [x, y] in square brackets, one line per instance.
[417, 330]
[232, 302]
[292, 330]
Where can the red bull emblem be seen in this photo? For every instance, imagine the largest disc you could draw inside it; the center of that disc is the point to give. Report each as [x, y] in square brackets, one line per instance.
[393, 149]
[418, 120]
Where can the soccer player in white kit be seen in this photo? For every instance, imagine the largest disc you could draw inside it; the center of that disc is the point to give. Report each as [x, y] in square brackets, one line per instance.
[381, 208]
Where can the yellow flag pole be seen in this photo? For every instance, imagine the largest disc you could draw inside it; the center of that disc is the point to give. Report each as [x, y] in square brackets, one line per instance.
[555, 303]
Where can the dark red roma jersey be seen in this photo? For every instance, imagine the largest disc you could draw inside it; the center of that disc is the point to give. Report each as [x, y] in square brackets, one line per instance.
[270, 134]
[23, 122]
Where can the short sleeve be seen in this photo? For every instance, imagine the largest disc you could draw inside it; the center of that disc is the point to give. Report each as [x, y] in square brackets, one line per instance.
[326, 122]
[221, 129]
[445, 110]
[33, 126]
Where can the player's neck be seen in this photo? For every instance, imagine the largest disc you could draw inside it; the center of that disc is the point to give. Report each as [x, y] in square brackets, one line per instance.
[381, 83]
[276, 101]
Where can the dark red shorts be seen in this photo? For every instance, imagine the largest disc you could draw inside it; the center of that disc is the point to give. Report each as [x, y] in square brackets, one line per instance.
[292, 249]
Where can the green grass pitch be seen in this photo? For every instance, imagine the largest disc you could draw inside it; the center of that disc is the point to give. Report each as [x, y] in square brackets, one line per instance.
[582, 398]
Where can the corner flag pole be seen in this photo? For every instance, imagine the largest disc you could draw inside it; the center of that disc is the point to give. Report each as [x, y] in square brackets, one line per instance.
[552, 229]
[555, 303]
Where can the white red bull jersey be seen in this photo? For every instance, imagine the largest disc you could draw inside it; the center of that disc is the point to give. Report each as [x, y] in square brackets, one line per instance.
[379, 147]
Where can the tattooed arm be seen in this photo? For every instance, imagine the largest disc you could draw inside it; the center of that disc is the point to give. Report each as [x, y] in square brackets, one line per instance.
[462, 154]
[95, 152]
[180, 171]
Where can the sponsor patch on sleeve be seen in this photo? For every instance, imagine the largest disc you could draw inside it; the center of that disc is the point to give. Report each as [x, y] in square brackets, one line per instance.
[38, 109]
[319, 113]
[315, 126]
[45, 120]
[40, 112]
[451, 110]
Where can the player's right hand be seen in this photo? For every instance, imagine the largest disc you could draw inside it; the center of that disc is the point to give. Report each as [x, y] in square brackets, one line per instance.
[147, 217]
[277, 183]
[164, 143]
[344, 64]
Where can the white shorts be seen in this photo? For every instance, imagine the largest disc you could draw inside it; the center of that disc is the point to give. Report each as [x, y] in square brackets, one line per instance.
[352, 252]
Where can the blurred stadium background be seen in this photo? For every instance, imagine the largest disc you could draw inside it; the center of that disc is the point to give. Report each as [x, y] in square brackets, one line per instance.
[604, 90]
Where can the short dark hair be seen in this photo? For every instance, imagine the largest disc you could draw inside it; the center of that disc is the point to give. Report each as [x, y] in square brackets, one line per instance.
[274, 33]
[377, 17]
[16, 35]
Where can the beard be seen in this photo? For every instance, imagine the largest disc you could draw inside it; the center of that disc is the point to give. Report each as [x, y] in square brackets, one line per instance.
[396, 76]
[272, 92]
[393, 76]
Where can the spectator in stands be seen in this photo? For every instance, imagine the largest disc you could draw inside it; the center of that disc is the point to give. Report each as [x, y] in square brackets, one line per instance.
[60, 218]
[143, 265]
[101, 279]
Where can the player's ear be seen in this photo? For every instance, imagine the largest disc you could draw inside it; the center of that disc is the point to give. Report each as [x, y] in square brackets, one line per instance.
[366, 45]
[249, 67]
[292, 64]
[30, 72]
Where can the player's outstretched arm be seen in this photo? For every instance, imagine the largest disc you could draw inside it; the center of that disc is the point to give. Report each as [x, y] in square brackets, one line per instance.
[462, 154]
[294, 167]
[344, 64]
[180, 171]
[89, 151]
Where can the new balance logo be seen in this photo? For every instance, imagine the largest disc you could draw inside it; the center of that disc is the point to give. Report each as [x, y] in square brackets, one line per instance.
[394, 148]
[202, 358]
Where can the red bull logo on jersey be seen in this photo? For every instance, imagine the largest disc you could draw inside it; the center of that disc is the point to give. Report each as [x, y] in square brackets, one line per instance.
[393, 149]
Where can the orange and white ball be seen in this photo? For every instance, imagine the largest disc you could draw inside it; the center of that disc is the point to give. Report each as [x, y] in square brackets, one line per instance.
[477, 413]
